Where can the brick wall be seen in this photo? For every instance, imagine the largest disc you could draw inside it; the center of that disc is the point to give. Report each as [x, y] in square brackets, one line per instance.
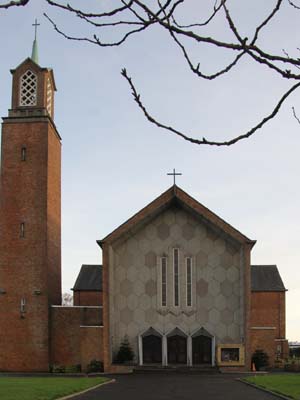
[87, 298]
[76, 335]
[267, 327]
[27, 263]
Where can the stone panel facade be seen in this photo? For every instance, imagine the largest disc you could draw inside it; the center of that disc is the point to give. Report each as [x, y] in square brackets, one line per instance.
[217, 281]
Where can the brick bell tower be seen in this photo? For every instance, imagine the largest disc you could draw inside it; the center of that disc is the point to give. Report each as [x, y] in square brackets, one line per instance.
[30, 219]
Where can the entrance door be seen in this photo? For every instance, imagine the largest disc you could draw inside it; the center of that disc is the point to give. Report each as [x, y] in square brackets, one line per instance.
[177, 350]
[201, 350]
[152, 352]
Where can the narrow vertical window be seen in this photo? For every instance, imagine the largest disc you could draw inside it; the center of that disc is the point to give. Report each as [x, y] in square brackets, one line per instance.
[23, 153]
[22, 230]
[189, 281]
[176, 277]
[163, 281]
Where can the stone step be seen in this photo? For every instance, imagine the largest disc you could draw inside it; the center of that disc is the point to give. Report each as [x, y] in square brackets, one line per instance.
[151, 369]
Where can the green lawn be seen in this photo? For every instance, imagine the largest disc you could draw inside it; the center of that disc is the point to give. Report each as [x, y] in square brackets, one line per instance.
[43, 388]
[286, 384]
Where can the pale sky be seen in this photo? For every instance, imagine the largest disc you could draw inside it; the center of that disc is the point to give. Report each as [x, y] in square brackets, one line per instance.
[114, 162]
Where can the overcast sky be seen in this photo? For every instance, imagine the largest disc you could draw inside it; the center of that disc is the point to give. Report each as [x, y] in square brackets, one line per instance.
[114, 162]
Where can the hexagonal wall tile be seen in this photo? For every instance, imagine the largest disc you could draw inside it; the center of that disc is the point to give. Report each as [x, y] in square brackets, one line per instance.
[188, 231]
[202, 315]
[175, 232]
[131, 273]
[139, 315]
[138, 287]
[221, 330]
[144, 274]
[207, 302]
[201, 259]
[201, 288]
[226, 288]
[214, 316]
[150, 259]
[231, 248]
[151, 288]
[201, 231]
[181, 217]
[126, 287]
[227, 316]
[126, 315]
[145, 302]
[120, 273]
[219, 246]
[169, 217]
[233, 302]
[150, 316]
[233, 331]
[214, 287]
[233, 274]
[144, 244]
[226, 259]
[220, 274]
[220, 302]
[132, 245]
[132, 301]
[150, 231]
[127, 259]
[163, 231]
[211, 234]
[206, 245]
[214, 260]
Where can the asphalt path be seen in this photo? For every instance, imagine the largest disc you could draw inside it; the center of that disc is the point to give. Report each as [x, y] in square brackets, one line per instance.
[162, 386]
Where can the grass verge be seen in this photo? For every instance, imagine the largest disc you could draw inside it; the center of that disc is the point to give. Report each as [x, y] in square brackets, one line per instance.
[285, 384]
[44, 388]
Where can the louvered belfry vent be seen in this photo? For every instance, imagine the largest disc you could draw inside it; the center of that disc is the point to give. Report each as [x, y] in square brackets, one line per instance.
[28, 90]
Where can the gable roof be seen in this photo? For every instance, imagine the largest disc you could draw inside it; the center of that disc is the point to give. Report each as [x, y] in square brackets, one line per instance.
[89, 278]
[29, 60]
[266, 278]
[175, 195]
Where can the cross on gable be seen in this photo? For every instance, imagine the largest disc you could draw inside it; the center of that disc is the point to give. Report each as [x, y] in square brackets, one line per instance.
[174, 174]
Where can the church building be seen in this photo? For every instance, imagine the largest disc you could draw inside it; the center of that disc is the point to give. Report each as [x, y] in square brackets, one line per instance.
[176, 280]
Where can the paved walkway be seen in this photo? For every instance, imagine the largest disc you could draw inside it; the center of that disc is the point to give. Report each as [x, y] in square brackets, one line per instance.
[176, 387]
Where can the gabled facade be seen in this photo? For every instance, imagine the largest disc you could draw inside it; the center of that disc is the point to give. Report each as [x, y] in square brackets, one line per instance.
[177, 267]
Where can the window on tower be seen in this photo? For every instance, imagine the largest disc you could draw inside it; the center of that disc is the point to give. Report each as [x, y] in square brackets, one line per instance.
[22, 229]
[28, 89]
[23, 153]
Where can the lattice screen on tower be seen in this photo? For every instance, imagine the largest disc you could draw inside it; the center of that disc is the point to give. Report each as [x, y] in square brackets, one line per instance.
[28, 90]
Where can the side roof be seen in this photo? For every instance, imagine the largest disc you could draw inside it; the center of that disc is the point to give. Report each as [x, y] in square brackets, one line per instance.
[175, 195]
[266, 278]
[89, 278]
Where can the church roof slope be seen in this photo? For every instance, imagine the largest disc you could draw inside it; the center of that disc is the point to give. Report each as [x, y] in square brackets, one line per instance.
[175, 195]
[89, 278]
[266, 278]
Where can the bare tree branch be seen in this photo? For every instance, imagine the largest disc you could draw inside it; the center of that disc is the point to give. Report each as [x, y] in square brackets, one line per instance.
[16, 3]
[295, 115]
[230, 142]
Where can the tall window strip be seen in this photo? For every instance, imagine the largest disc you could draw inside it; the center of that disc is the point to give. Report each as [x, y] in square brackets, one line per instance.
[189, 281]
[176, 276]
[164, 281]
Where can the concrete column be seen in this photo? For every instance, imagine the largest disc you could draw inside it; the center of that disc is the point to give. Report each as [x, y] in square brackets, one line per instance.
[140, 346]
[213, 351]
[164, 350]
[189, 350]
